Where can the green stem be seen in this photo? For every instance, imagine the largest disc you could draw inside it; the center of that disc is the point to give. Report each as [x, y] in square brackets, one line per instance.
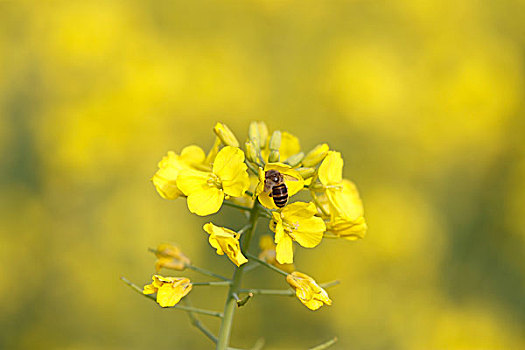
[230, 305]
[212, 283]
[262, 262]
[238, 206]
[206, 272]
[285, 292]
[325, 345]
[179, 307]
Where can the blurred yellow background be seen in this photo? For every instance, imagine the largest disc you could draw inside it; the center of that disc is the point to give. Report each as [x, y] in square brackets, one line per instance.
[423, 97]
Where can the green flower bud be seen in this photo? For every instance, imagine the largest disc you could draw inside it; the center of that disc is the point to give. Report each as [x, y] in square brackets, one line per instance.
[275, 141]
[251, 153]
[306, 172]
[295, 159]
[273, 157]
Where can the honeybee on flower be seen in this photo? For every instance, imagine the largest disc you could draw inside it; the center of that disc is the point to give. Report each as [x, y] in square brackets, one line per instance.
[261, 180]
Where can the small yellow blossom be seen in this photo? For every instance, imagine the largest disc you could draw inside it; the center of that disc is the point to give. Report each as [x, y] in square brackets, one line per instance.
[226, 135]
[316, 155]
[170, 257]
[206, 190]
[170, 290]
[342, 199]
[296, 222]
[225, 241]
[165, 179]
[287, 171]
[308, 291]
[268, 254]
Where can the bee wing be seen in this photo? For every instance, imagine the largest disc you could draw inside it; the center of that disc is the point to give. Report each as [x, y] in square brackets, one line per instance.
[267, 187]
[289, 178]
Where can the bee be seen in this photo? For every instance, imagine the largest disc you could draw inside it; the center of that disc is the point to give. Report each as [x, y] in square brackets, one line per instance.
[274, 184]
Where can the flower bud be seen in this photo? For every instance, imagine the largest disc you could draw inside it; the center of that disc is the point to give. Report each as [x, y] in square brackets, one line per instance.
[258, 134]
[306, 172]
[295, 159]
[273, 157]
[275, 141]
[251, 153]
[226, 135]
[316, 155]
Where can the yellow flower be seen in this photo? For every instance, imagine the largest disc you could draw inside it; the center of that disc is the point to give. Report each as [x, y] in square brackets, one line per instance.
[206, 190]
[226, 135]
[342, 199]
[165, 179]
[225, 241]
[170, 290]
[287, 171]
[170, 257]
[296, 222]
[316, 155]
[268, 254]
[308, 291]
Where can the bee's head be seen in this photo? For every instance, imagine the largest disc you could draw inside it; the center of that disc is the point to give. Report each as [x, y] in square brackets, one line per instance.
[273, 175]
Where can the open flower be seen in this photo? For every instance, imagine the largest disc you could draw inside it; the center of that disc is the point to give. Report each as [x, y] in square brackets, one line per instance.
[225, 241]
[170, 257]
[268, 254]
[170, 290]
[206, 190]
[308, 291]
[288, 173]
[165, 179]
[342, 199]
[296, 222]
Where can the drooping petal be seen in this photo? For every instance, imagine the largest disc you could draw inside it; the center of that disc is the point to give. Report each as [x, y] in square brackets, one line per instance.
[284, 250]
[346, 201]
[308, 291]
[165, 178]
[226, 241]
[206, 202]
[331, 169]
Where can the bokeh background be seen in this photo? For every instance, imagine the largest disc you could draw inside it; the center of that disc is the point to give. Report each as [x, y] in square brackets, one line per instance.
[423, 97]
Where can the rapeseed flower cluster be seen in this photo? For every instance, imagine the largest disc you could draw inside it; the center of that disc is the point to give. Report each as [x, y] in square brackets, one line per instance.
[262, 179]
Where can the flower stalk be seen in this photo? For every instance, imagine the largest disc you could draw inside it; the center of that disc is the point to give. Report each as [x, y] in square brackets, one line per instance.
[231, 302]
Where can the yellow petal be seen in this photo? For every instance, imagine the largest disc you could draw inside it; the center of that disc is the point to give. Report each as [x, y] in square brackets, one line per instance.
[331, 169]
[284, 248]
[226, 241]
[206, 202]
[193, 155]
[171, 293]
[149, 289]
[190, 181]
[310, 232]
[165, 178]
[346, 201]
[289, 145]
[230, 168]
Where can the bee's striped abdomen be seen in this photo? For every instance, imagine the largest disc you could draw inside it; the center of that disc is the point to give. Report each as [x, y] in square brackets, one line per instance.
[280, 195]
